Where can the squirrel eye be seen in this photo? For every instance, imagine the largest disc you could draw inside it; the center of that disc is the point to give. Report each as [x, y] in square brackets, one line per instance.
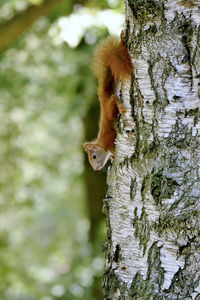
[94, 156]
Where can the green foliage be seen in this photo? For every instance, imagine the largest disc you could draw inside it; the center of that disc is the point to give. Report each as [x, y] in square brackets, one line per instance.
[44, 228]
[46, 89]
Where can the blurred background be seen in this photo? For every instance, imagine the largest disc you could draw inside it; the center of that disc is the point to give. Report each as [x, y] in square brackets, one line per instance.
[51, 224]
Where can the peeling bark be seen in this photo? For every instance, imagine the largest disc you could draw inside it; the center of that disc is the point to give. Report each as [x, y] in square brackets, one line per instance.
[153, 199]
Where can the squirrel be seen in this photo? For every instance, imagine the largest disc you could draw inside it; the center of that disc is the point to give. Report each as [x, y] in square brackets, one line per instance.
[111, 64]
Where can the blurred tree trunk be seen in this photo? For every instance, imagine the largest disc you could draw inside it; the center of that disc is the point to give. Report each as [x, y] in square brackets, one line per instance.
[153, 198]
[96, 191]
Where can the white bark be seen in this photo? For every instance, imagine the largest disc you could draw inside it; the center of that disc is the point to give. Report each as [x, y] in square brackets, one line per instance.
[153, 199]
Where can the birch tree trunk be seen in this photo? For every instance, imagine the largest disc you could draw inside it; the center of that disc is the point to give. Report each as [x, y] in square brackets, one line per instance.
[153, 200]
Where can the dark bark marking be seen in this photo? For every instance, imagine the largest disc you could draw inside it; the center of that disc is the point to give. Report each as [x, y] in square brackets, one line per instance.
[158, 102]
[184, 281]
[136, 121]
[193, 112]
[198, 76]
[111, 284]
[133, 187]
[144, 289]
[138, 288]
[187, 32]
[117, 254]
[142, 228]
[180, 136]
[197, 45]
[162, 186]
[145, 186]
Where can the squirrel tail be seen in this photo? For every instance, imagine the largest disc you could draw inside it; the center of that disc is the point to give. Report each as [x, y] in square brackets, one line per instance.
[111, 61]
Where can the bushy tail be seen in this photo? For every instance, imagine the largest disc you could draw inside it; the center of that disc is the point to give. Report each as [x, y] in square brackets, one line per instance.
[111, 61]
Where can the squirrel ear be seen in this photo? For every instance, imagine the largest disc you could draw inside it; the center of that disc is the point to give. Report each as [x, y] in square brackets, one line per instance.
[90, 147]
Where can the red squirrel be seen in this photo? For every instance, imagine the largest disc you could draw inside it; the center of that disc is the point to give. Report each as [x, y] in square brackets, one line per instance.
[111, 65]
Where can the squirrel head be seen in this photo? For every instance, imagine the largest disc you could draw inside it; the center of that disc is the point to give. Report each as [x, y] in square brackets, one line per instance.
[97, 155]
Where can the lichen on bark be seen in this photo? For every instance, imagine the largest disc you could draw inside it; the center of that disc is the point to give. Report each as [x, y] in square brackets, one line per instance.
[153, 206]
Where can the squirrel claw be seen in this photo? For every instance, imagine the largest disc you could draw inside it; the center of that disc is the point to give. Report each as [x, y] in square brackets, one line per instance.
[122, 109]
[112, 158]
[120, 105]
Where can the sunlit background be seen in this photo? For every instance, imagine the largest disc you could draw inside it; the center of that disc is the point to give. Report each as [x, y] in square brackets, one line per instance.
[51, 225]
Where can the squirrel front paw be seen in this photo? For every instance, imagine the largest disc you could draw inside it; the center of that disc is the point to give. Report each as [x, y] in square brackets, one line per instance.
[112, 157]
[121, 108]
[120, 105]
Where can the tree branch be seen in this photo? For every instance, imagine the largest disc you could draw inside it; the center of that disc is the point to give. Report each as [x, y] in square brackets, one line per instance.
[12, 29]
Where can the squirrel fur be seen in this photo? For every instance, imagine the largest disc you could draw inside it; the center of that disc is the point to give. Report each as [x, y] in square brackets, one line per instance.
[111, 64]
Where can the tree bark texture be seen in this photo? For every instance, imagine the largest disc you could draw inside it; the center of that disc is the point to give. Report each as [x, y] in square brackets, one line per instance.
[153, 201]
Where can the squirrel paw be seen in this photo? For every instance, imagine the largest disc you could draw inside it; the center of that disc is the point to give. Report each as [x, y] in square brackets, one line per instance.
[112, 157]
[120, 105]
[121, 108]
